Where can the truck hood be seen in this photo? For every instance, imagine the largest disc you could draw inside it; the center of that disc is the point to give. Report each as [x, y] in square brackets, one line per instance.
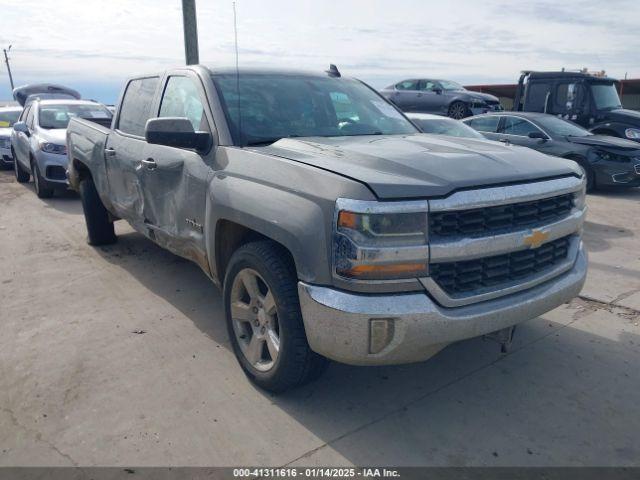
[605, 141]
[421, 165]
[622, 115]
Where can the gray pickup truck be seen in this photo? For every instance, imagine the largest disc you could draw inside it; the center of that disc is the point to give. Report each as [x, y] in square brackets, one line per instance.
[335, 229]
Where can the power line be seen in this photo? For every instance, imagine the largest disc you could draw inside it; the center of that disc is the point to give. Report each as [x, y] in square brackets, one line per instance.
[6, 60]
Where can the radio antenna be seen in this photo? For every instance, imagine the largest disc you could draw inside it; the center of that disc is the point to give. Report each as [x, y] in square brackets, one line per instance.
[235, 32]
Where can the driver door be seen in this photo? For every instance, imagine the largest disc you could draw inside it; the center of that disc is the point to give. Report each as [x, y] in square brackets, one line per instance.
[174, 180]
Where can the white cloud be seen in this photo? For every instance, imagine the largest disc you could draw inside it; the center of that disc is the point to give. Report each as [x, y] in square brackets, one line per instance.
[95, 42]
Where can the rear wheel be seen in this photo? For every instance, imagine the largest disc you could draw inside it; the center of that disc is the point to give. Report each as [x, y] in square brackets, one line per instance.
[458, 110]
[42, 190]
[100, 229]
[22, 176]
[264, 320]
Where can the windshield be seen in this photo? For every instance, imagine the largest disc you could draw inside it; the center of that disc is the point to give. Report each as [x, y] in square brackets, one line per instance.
[58, 116]
[606, 96]
[274, 106]
[452, 128]
[449, 85]
[8, 118]
[562, 128]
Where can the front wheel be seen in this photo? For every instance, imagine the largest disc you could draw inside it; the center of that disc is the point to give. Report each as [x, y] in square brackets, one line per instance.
[587, 171]
[22, 176]
[458, 110]
[42, 190]
[264, 320]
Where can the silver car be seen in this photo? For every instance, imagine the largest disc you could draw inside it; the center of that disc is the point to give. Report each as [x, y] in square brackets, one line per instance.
[8, 116]
[38, 140]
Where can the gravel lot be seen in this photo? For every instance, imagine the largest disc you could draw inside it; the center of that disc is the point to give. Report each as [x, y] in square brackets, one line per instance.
[79, 387]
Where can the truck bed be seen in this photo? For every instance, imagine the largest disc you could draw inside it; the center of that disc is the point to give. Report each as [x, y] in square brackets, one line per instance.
[86, 141]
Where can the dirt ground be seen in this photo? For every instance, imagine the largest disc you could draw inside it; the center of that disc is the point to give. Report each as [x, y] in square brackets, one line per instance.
[81, 384]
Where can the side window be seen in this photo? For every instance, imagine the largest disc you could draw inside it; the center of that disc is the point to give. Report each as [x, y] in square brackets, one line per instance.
[407, 85]
[182, 99]
[488, 124]
[427, 85]
[567, 98]
[537, 97]
[518, 126]
[135, 109]
[25, 113]
[30, 117]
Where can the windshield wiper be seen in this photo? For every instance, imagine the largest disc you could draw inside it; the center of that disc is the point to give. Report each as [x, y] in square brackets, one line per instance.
[268, 141]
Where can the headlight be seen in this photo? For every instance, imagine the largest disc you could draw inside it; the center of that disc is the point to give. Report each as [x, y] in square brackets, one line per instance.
[5, 142]
[53, 148]
[478, 102]
[612, 157]
[378, 241]
[632, 133]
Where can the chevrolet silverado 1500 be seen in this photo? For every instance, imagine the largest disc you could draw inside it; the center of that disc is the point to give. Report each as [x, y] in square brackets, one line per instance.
[334, 227]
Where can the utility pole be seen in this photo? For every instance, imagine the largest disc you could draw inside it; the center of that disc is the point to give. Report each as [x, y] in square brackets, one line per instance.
[190, 25]
[6, 60]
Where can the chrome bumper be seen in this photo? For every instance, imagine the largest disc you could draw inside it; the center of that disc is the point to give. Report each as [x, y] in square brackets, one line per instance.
[338, 324]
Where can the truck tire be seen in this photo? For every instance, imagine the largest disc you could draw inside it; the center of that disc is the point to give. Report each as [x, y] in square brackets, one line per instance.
[22, 176]
[100, 229]
[264, 320]
[40, 184]
[458, 110]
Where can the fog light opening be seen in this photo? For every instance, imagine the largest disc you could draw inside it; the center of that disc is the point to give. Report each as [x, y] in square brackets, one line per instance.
[380, 333]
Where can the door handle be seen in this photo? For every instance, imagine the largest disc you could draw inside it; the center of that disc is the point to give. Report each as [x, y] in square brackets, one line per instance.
[109, 152]
[419, 95]
[150, 163]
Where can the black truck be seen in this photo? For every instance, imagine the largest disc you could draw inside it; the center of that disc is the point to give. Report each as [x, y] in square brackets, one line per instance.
[586, 99]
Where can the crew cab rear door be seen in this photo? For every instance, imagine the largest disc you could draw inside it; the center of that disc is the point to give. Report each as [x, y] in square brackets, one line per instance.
[126, 146]
[174, 180]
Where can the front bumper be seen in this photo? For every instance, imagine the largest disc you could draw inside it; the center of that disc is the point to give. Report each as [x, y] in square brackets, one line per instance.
[5, 156]
[613, 174]
[53, 168]
[337, 323]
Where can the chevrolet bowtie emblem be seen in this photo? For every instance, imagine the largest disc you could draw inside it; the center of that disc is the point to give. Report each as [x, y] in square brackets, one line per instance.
[537, 238]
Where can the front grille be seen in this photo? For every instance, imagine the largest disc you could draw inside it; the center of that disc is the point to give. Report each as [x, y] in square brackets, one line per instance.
[55, 172]
[490, 220]
[457, 278]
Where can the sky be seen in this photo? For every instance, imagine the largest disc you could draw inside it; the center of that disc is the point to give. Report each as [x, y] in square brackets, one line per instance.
[94, 45]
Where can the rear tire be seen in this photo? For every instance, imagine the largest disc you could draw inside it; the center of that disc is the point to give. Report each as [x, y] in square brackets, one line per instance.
[100, 229]
[276, 308]
[458, 110]
[40, 184]
[22, 176]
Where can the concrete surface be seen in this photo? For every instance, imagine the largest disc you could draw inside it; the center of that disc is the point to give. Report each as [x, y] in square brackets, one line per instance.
[79, 387]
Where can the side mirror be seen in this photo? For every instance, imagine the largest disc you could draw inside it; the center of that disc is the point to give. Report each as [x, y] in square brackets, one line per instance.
[21, 127]
[176, 132]
[438, 91]
[538, 135]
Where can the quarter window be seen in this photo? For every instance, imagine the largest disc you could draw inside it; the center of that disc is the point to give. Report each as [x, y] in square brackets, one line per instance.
[135, 109]
[518, 126]
[182, 99]
[488, 124]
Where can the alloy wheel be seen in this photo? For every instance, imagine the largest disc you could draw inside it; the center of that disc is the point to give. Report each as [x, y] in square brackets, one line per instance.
[255, 319]
[458, 111]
